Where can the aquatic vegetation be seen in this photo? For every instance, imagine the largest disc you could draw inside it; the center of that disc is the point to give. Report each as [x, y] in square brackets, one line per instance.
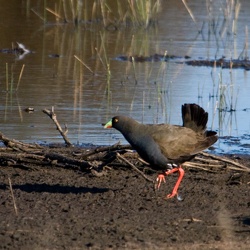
[111, 14]
[92, 39]
[10, 80]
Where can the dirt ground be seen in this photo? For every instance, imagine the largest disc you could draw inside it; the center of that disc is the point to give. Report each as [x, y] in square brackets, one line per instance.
[58, 208]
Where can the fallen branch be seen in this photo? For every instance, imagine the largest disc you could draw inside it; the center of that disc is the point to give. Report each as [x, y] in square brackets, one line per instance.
[19, 146]
[134, 167]
[91, 154]
[56, 158]
[52, 116]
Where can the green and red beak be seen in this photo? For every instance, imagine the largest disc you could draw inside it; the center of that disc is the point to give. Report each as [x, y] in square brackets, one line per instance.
[108, 124]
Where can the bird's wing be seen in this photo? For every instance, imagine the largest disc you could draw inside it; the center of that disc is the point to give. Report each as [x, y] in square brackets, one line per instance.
[177, 142]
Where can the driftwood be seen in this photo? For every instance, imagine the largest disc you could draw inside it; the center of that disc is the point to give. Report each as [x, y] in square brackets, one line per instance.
[95, 160]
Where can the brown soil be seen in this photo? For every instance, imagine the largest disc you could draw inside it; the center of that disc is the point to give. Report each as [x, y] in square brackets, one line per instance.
[59, 208]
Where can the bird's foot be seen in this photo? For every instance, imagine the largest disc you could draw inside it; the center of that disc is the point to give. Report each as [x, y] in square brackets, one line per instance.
[177, 184]
[161, 177]
[159, 180]
[173, 194]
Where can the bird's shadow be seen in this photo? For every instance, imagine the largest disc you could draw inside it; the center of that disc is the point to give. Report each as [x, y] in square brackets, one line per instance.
[41, 188]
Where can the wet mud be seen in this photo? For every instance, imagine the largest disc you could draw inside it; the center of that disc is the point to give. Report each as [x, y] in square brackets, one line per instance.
[49, 207]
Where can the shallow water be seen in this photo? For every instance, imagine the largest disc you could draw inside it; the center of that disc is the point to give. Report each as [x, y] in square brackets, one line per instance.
[152, 92]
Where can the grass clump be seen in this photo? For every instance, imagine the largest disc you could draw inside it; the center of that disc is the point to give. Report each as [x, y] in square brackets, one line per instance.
[111, 14]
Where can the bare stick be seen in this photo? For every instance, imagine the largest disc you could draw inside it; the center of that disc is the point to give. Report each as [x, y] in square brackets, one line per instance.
[98, 150]
[224, 159]
[191, 165]
[12, 194]
[52, 115]
[19, 146]
[134, 167]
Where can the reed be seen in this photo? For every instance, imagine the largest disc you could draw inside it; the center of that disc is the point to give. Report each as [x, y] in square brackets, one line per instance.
[134, 70]
[143, 13]
[117, 14]
[226, 104]
[58, 16]
[84, 64]
[221, 25]
[9, 78]
[227, 97]
[190, 13]
[106, 62]
[244, 53]
[162, 69]
[20, 76]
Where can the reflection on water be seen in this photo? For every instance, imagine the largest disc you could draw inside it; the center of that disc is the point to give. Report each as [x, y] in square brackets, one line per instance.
[151, 92]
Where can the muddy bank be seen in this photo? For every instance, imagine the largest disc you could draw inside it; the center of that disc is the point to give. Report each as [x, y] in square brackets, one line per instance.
[66, 208]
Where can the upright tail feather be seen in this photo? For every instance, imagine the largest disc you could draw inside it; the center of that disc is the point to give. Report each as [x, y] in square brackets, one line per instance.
[194, 117]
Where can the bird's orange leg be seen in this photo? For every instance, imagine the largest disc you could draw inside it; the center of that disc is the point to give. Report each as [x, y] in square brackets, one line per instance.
[161, 178]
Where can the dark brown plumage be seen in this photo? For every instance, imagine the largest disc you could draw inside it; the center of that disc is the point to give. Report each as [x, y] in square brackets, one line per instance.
[163, 145]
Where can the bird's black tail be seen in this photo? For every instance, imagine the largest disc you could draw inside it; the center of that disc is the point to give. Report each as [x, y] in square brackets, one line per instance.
[194, 117]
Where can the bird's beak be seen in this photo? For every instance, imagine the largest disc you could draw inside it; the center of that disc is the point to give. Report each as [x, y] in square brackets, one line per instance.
[108, 125]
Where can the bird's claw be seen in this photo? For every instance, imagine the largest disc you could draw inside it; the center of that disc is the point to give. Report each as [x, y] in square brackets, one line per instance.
[171, 195]
[159, 180]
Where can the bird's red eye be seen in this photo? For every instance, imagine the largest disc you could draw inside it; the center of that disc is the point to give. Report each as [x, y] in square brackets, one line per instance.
[116, 120]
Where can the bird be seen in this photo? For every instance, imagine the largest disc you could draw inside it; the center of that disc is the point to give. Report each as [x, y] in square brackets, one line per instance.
[165, 146]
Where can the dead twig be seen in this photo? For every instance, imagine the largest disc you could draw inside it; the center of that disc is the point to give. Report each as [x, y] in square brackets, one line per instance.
[19, 146]
[134, 167]
[99, 150]
[213, 161]
[12, 195]
[210, 161]
[52, 116]
[196, 166]
[226, 160]
[68, 162]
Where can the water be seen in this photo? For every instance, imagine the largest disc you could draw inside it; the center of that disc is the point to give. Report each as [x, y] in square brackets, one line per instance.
[153, 92]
